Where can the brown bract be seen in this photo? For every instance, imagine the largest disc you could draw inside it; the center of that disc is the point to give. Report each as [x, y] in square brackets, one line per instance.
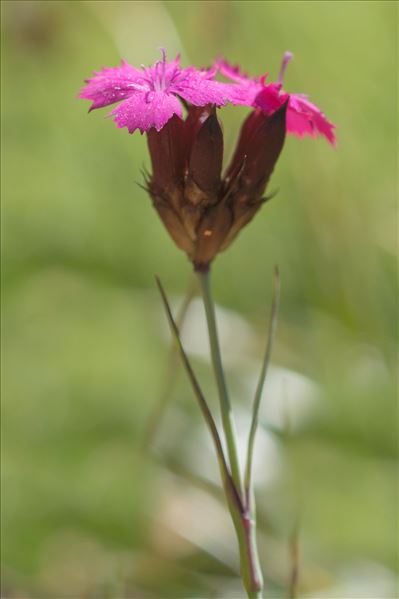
[202, 210]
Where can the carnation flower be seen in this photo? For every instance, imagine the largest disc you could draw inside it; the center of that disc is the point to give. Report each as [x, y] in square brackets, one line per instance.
[151, 96]
[202, 208]
[303, 117]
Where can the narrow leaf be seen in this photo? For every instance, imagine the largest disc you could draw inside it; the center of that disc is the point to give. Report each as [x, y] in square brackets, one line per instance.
[259, 388]
[226, 476]
[156, 416]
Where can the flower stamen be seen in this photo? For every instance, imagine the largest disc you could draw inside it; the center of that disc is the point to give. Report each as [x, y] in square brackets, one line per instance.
[288, 56]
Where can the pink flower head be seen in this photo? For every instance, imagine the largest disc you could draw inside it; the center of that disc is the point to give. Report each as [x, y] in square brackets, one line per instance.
[151, 96]
[303, 117]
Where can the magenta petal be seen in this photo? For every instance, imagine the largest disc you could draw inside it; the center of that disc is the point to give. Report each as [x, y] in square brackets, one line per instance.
[270, 99]
[245, 89]
[232, 72]
[198, 89]
[112, 85]
[299, 124]
[235, 73]
[244, 95]
[304, 118]
[145, 110]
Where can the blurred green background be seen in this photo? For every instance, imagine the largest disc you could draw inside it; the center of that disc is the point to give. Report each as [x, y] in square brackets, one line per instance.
[85, 346]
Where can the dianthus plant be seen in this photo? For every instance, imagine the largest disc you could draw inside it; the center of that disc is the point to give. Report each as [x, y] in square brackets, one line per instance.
[204, 209]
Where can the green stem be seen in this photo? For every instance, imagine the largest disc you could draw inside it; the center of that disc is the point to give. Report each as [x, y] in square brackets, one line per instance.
[225, 406]
[251, 573]
[242, 514]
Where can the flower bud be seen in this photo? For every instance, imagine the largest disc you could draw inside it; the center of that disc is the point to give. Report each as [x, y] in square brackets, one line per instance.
[202, 211]
[205, 165]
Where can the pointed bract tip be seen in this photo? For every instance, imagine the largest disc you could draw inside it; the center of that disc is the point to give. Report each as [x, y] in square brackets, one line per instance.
[281, 112]
[159, 285]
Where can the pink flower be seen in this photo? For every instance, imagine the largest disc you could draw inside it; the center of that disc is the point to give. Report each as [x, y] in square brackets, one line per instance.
[151, 96]
[303, 117]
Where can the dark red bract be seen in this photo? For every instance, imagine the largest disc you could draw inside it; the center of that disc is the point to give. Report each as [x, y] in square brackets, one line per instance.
[203, 210]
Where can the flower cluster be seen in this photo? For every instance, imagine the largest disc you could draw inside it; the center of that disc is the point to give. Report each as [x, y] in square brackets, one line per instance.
[202, 209]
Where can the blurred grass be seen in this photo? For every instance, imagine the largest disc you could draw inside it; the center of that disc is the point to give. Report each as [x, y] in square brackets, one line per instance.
[82, 353]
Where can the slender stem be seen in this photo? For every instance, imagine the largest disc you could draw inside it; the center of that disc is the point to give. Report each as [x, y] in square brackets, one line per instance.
[225, 406]
[245, 527]
[242, 515]
[259, 388]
